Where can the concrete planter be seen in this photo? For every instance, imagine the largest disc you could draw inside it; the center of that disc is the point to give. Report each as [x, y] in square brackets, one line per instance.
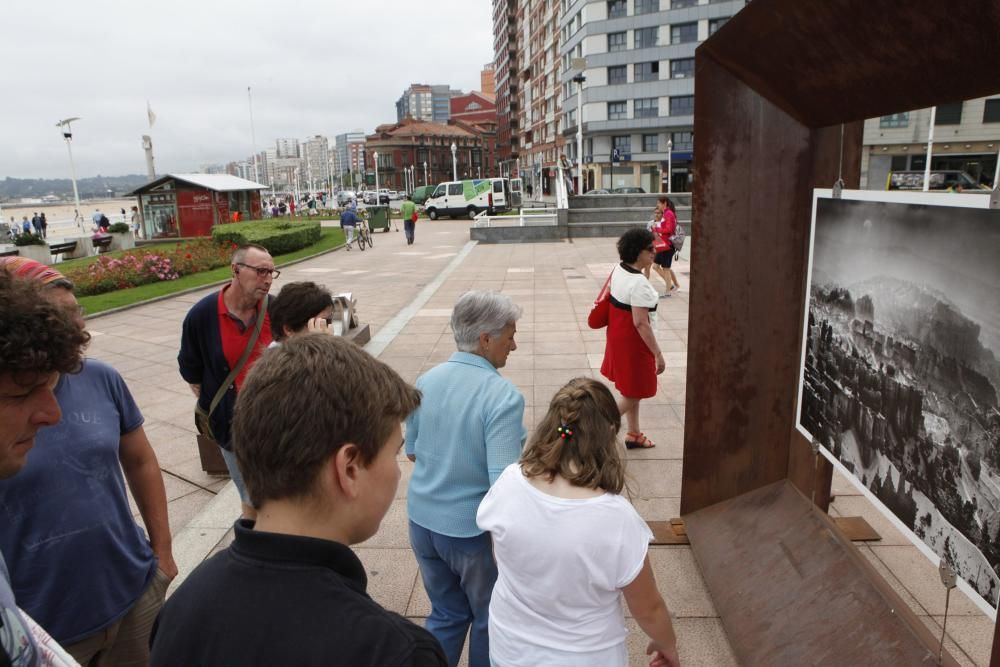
[124, 241]
[39, 253]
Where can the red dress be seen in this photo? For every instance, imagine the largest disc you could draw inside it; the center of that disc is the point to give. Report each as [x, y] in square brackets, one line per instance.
[628, 363]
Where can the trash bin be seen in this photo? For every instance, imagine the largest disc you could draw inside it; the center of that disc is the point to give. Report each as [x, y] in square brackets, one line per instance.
[378, 218]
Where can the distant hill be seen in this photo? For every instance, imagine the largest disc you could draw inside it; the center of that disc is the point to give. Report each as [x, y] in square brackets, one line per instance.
[13, 189]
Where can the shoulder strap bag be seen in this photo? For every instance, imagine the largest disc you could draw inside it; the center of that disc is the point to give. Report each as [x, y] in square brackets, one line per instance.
[598, 317]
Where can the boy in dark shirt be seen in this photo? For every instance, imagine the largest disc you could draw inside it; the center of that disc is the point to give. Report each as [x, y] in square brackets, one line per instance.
[290, 590]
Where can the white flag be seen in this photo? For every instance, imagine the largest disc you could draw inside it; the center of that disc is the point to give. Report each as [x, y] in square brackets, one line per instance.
[149, 112]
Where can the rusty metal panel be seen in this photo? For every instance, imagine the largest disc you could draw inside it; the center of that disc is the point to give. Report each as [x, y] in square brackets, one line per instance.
[838, 61]
[791, 590]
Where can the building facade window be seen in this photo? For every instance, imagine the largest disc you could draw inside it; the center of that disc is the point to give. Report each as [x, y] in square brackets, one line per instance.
[681, 4]
[682, 105]
[645, 38]
[647, 71]
[617, 110]
[617, 9]
[715, 24]
[681, 33]
[618, 74]
[650, 143]
[623, 143]
[617, 41]
[991, 111]
[682, 68]
[949, 114]
[647, 107]
[682, 141]
[895, 120]
[647, 6]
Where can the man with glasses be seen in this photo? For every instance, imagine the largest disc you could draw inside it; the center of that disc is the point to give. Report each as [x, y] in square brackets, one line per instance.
[217, 330]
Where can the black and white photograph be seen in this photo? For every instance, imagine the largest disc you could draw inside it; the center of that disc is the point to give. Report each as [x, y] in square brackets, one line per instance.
[901, 365]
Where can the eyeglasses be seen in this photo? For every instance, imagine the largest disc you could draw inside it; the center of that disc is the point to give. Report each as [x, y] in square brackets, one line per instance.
[261, 270]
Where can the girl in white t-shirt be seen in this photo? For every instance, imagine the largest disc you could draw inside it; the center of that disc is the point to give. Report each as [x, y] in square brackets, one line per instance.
[568, 545]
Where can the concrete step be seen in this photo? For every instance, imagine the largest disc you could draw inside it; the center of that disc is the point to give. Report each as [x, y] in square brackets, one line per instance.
[609, 228]
[643, 201]
[618, 214]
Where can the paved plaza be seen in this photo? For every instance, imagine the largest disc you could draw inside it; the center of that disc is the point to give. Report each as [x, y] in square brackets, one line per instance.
[405, 293]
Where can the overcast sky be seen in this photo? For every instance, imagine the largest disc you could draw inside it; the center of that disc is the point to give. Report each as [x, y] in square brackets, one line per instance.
[315, 67]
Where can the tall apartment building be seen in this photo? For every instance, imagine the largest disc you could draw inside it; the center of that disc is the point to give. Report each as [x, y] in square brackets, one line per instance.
[316, 159]
[287, 147]
[538, 109]
[638, 98]
[505, 59]
[348, 163]
[423, 102]
[966, 137]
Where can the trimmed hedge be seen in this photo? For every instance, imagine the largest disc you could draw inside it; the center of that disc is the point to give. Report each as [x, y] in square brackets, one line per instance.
[279, 236]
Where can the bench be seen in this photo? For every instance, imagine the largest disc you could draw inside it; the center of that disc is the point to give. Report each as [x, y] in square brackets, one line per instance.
[61, 248]
[102, 243]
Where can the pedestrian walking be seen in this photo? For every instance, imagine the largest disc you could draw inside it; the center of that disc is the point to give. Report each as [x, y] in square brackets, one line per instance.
[468, 429]
[568, 545]
[222, 337]
[409, 213]
[44, 225]
[36, 224]
[25, 225]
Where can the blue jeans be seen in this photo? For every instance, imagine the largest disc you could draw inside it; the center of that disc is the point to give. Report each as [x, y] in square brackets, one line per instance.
[458, 574]
[235, 475]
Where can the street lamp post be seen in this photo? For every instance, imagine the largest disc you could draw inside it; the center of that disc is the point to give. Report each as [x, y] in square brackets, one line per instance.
[454, 161]
[67, 132]
[670, 166]
[425, 172]
[580, 64]
[930, 149]
[375, 158]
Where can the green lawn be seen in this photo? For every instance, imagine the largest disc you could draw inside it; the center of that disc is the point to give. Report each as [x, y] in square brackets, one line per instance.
[331, 238]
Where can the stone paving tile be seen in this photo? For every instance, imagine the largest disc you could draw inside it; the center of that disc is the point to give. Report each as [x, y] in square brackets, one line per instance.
[701, 642]
[391, 576]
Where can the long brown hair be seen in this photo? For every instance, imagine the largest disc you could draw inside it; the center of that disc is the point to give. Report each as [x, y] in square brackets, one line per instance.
[590, 457]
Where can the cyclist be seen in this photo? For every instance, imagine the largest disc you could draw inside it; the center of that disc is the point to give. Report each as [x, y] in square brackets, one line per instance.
[348, 220]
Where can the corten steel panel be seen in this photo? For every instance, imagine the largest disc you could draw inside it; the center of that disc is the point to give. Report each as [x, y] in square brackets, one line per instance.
[755, 170]
[768, 556]
[838, 61]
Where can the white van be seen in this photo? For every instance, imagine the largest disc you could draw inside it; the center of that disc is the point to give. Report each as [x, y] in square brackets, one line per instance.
[468, 198]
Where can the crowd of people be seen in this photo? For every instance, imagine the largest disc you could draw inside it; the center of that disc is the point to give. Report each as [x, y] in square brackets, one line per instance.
[525, 546]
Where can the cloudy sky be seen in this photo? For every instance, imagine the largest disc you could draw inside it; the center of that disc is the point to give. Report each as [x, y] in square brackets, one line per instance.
[315, 67]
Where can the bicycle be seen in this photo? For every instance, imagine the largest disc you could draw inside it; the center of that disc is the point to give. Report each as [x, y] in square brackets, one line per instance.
[364, 235]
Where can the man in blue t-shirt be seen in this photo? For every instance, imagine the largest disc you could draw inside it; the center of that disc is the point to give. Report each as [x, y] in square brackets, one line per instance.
[51, 344]
[348, 220]
[79, 563]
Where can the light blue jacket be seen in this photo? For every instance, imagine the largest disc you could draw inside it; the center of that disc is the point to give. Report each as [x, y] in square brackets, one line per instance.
[468, 428]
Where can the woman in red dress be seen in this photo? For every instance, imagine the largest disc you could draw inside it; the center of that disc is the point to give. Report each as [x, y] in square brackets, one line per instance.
[665, 228]
[632, 357]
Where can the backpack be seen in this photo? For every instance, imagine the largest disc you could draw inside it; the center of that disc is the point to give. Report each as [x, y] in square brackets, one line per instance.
[677, 238]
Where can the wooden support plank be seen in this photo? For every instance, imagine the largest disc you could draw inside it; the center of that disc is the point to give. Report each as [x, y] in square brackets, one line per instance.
[799, 593]
[856, 529]
[667, 532]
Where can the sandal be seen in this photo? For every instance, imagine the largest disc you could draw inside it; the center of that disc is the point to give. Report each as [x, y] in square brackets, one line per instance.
[635, 440]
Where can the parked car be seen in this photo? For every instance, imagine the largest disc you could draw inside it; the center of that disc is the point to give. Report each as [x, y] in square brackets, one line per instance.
[396, 195]
[372, 199]
[628, 191]
[344, 197]
[598, 191]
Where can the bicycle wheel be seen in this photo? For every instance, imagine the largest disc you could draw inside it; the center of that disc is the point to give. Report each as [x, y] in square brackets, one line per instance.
[371, 239]
[361, 241]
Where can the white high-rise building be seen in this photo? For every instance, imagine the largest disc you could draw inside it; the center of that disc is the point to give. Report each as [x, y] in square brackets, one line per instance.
[316, 159]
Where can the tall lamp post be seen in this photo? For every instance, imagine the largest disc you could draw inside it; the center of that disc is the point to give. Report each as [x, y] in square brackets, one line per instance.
[67, 132]
[580, 64]
[670, 166]
[454, 161]
[425, 172]
[375, 159]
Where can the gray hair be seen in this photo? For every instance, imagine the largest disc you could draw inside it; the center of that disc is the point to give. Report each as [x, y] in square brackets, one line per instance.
[481, 312]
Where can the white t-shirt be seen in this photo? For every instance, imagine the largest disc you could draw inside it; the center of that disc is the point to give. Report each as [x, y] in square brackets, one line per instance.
[562, 564]
[634, 289]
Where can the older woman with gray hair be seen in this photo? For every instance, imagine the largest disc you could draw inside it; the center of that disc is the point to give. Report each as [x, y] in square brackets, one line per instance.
[468, 428]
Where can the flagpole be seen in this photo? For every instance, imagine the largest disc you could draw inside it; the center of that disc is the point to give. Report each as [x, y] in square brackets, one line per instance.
[253, 137]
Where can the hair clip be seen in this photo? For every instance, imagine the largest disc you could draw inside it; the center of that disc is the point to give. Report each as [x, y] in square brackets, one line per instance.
[565, 432]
